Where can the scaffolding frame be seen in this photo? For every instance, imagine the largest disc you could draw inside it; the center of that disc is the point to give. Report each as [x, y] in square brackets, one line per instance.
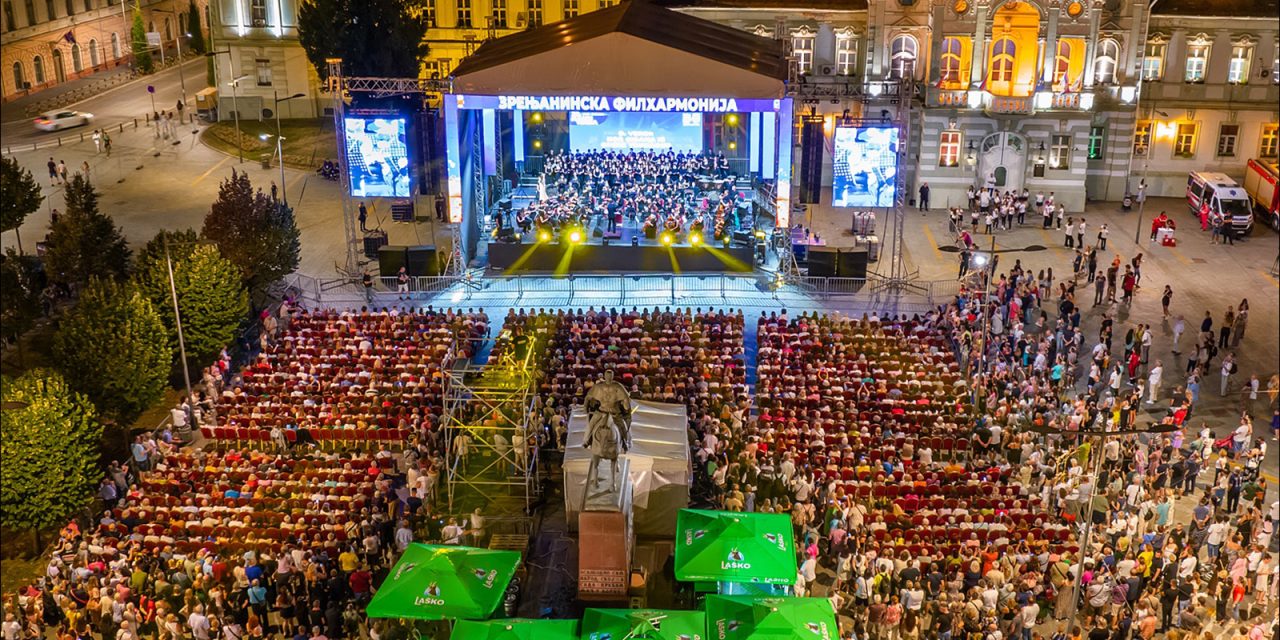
[484, 402]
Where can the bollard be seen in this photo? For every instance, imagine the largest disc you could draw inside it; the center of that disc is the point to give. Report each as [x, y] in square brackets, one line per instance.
[59, 141]
[81, 136]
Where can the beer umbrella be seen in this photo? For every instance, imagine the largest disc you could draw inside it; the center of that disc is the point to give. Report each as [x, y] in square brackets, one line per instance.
[515, 629]
[643, 624]
[770, 618]
[731, 546]
[436, 582]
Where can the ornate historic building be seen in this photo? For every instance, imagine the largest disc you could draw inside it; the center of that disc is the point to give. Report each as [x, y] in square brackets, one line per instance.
[47, 42]
[260, 60]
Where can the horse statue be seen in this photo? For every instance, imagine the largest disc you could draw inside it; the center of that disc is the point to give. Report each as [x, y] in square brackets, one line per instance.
[608, 407]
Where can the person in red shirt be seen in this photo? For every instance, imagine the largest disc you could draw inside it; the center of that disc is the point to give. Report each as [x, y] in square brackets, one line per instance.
[1158, 223]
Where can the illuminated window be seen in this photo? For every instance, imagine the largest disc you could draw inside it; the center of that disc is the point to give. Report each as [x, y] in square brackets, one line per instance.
[903, 57]
[535, 13]
[1104, 63]
[952, 56]
[9, 24]
[846, 55]
[1184, 142]
[1238, 70]
[949, 149]
[1060, 152]
[257, 14]
[1197, 60]
[1267, 145]
[1142, 138]
[264, 72]
[19, 78]
[1097, 139]
[1062, 65]
[1153, 62]
[76, 63]
[802, 49]
[37, 68]
[500, 14]
[429, 12]
[115, 46]
[1002, 60]
[570, 8]
[464, 14]
[1227, 135]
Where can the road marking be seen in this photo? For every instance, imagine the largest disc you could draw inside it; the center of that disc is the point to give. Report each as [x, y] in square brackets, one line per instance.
[211, 170]
[928, 234]
[1268, 276]
[1178, 255]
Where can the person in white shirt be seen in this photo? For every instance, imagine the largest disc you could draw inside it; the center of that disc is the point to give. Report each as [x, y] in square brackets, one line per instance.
[1153, 381]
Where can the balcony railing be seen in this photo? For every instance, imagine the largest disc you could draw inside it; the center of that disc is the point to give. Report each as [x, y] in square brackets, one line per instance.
[1005, 105]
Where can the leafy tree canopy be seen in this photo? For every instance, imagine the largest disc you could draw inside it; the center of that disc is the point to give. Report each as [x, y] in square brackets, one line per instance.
[253, 231]
[141, 50]
[19, 194]
[84, 243]
[373, 37]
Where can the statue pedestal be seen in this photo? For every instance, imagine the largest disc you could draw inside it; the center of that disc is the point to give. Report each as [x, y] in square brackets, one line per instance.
[600, 497]
[605, 537]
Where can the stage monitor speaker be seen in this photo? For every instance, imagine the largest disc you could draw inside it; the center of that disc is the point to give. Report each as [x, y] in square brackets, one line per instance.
[852, 263]
[390, 259]
[373, 240]
[422, 261]
[822, 261]
[812, 143]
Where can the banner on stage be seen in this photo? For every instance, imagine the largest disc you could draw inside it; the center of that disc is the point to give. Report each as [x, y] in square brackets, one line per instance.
[617, 104]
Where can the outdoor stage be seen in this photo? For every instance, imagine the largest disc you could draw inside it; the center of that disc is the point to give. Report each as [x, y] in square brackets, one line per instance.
[617, 257]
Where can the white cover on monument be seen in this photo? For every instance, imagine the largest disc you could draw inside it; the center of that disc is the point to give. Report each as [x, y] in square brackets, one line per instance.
[659, 466]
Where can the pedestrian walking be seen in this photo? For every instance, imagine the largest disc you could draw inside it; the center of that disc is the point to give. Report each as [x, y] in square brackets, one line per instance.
[924, 196]
[53, 171]
[62, 171]
[1099, 288]
[106, 143]
[367, 281]
[1080, 230]
[84, 168]
[402, 283]
[97, 141]
[1103, 232]
[1179, 328]
[1228, 368]
[363, 217]
[1165, 299]
[1068, 240]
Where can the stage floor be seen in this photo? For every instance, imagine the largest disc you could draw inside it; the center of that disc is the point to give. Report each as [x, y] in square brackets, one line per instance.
[595, 257]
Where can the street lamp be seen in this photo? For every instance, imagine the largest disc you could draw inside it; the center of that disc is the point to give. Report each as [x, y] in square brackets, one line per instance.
[1146, 168]
[182, 80]
[280, 140]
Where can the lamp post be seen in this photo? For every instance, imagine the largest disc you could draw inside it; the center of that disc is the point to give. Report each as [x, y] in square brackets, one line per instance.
[177, 319]
[280, 140]
[235, 107]
[182, 80]
[284, 199]
[1142, 184]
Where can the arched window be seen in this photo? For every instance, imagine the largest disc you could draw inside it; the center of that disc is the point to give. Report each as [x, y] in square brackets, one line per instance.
[1104, 62]
[94, 58]
[952, 57]
[37, 69]
[1003, 58]
[168, 30]
[903, 57]
[115, 46]
[19, 78]
[1061, 65]
[76, 64]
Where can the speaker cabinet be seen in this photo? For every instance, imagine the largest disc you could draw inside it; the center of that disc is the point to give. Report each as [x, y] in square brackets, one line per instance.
[822, 261]
[422, 261]
[812, 144]
[852, 263]
[390, 259]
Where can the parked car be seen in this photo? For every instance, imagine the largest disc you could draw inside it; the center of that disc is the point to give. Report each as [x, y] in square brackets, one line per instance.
[57, 120]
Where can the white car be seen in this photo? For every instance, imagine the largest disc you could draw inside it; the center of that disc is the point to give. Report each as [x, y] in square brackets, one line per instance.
[55, 120]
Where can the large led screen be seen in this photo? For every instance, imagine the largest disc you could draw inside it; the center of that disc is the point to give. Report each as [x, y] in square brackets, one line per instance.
[378, 157]
[866, 165]
[680, 132]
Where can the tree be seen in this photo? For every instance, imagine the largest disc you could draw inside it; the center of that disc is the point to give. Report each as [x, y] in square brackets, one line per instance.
[84, 242]
[19, 196]
[20, 286]
[195, 30]
[254, 232]
[373, 37]
[141, 50]
[112, 347]
[211, 295]
[49, 440]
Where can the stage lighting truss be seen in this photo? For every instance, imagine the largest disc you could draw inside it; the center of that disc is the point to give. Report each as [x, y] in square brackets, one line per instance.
[386, 87]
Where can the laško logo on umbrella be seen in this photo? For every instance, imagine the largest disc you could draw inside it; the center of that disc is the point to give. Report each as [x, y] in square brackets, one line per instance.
[431, 596]
[692, 534]
[725, 627]
[778, 539]
[818, 629]
[736, 561]
[403, 569]
[487, 577]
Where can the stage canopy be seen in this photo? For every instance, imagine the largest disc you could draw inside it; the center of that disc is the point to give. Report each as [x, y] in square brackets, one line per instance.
[634, 48]
[658, 461]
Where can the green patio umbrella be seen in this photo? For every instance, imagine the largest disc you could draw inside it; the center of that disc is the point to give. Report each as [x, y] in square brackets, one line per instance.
[731, 546]
[643, 624]
[515, 629]
[769, 618]
[435, 582]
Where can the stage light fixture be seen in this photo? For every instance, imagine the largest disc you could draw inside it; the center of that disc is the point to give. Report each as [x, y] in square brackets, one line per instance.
[695, 239]
[544, 236]
[575, 236]
[759, 234]
[537, 117]
[667, 238]
[732, 145]
[537, 144]
[732, 119]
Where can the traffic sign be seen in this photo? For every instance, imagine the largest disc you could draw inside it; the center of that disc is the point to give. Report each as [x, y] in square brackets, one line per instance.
[151, 88]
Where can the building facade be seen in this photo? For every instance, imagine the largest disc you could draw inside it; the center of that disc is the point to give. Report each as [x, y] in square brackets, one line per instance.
[259, 59]
[1082, 98]
[47, 42]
